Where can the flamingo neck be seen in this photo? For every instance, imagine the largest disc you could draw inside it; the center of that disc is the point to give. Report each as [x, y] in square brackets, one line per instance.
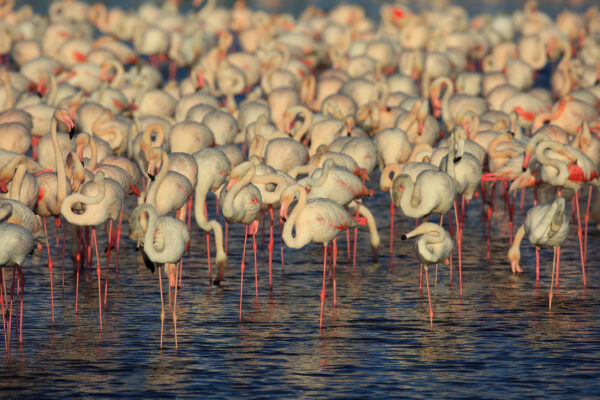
[158, 180]
[61, 174]
[290, 239]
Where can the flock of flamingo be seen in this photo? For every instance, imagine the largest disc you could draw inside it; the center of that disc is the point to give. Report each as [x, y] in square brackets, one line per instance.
[276, 110]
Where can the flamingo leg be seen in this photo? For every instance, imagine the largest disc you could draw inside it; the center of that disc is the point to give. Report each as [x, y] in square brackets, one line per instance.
[242, 266]
[420, 278]
[334, 259]
[110, 228]
[2, 296]
[208, 257]
[57, 224]
[552, 281]
[254, 249]
[95, 239]
[49, 271]
[270, 247]
[77, 259]
[62, 261]
[537, 265]
[458, 241]
[281, 242]
[587, 219]
[452, 235]
[175, 307]
[429, 297]
[391, 227]
[580, 236]
[162, 306]
[435, 282]
[323, 289]
[22, 292]
[118, 241]
[12, 288]
[557, 265]
[348, 243]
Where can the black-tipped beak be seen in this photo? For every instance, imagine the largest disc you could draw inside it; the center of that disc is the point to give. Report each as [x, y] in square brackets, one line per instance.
[403, 237]
[71, 133]
[457, 159]
[283, 219]
[151, 177]
[523, 169]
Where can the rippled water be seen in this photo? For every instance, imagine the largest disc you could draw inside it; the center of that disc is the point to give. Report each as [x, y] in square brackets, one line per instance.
[498, 340]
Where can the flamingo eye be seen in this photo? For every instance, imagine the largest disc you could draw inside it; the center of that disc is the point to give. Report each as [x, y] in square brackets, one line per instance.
[388, 109]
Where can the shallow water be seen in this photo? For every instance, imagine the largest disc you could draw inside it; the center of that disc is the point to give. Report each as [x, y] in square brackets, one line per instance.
[498, 340]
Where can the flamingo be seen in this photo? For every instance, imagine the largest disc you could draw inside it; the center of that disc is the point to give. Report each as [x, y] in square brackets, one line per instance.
[433, 246]
[215, 167]
[466, 171]
[53, 187]
[16, 243]
[164, 240]
[241, 202]
[314, 221]
[545, 225]
[100, 200]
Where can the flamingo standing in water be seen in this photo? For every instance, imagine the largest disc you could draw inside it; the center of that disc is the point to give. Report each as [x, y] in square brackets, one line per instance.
[241, 202]
[215, 167]
[100, 200]
[434, 245]
[545, 225]
[164, 240]
[53, 187]
[16, 243]
[315, 221]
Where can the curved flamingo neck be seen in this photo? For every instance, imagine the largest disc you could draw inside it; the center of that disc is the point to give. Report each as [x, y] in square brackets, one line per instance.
[287, 234]
[248, 169]
[61, 174]
[158, 180]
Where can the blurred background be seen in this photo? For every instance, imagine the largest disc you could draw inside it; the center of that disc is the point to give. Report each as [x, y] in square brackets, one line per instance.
[295, 7]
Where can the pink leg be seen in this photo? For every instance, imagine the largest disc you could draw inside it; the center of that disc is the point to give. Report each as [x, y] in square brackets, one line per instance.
[110, 226]
[323, 290]
[580, 237]
[458, 235]
[557, 265]
[208, 257]
[271, 245]
[552, 281]
[62, 262]
[334, 258]
[57, 223]
[162, 305]
[587, 219]
[391, 227]
[242, 266]
[94, 238]
[420, 278]
[2, 309]
[22, 281]
[118, 241]
[281, 242]
[429, 298]
[78, 259]
[348, 242]
[452, 235]
[49, 271]
[254, 247]
[537, 266]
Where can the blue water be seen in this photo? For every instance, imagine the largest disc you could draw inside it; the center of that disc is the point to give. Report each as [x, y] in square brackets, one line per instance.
[498, 340]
